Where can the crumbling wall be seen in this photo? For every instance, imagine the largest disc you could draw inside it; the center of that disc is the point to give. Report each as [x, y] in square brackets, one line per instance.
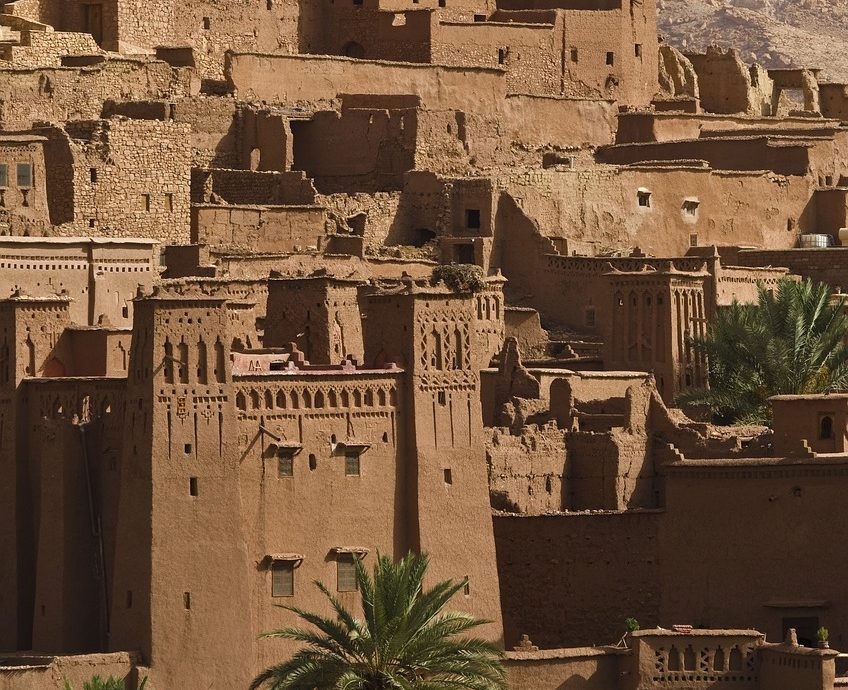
[726, 83]
[58, 94]
[527, 472]
[251, 187]
[46, 48]
[677, 75]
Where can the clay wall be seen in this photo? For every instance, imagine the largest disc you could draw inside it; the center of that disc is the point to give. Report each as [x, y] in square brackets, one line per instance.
[362, 32]
[733, 576]
[64, 461]
[527, 473]
[610, 559]
[321, 316]
[100, 276]
[319, 79]
[758, 210]
[721, 154]
[321, 415]
[359, 151]
[551, 669]
[819, 421]
[258, 265]
[29, 672]
[259, 228]
[541, 121]
[834, 101]
[733, 283]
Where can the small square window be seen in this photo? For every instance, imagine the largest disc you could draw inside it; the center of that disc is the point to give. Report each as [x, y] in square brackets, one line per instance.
[574, 55]
[693, 240]
[24, 174]
[479, 17]
[442, 398]
[187, 449]
[352, 463]
[644, 198]
[91, 222]
[443, 3]
[346, 573]
[472, 219]
[285, 463]
[690, 207]
[282, 579]
[207, 23]
[610, 59]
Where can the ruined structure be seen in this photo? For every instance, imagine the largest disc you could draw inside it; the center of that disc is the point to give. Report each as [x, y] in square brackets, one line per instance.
[227, 367]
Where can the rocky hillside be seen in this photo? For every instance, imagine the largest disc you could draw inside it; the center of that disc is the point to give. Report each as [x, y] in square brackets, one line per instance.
[776, 33]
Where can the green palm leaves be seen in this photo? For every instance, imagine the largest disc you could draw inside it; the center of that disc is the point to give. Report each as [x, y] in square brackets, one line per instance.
[405, 641]
[791, 342]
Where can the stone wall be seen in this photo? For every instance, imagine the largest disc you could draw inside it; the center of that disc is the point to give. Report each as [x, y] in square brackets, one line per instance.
[130, 178]
[46, 48]
[30, 95]
[251, 187]
[572, 579]
[821, 265]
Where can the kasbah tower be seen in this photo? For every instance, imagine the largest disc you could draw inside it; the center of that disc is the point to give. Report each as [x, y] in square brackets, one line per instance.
[285, 284]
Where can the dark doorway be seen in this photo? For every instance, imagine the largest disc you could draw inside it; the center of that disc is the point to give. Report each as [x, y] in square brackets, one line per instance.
[92, 21]
[806, 628]
[464, 253]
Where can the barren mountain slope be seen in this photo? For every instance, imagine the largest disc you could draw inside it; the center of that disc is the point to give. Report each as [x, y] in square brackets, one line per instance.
[776, 33]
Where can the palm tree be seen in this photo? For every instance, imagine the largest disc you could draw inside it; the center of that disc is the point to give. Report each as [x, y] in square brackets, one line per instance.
[404, 642]
[791, 342]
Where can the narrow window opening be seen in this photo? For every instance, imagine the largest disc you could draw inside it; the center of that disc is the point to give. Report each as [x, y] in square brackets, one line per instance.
[442, 397]
[574, 55]
[352, 464]
[129, 598]
[207, 23]
[187, 601]
[693, 240]
[192, 486]
[93, 174]
[590, 317]
[644, 197]
[313, 462]
[503, 54]
[24, 174]
[285, 463]
[466, 589]
[187, 449]
[638, 50]
[826, 428]
[269, 5]
[610, 59]
[385, 437]
[282, 579]
[345, 573]
[91, 222]
[448, 476]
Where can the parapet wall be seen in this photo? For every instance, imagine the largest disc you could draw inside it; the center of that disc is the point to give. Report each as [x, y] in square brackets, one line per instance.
[320, 79]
